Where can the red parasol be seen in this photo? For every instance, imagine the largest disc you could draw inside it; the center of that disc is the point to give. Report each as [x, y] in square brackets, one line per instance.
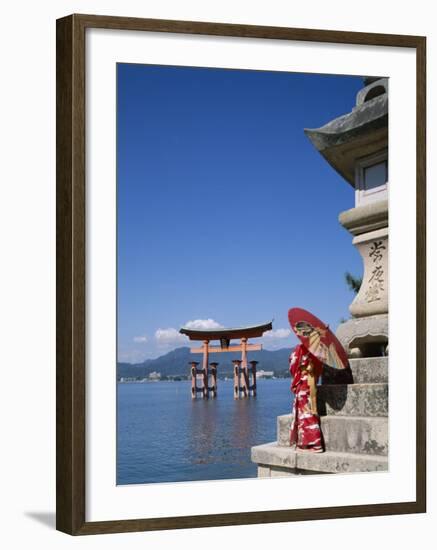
[317, 338]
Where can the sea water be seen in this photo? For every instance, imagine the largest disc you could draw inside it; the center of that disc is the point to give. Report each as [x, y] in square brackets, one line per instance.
[165, 436]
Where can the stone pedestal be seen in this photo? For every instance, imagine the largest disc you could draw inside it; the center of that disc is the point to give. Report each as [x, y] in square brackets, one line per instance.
[354, 422]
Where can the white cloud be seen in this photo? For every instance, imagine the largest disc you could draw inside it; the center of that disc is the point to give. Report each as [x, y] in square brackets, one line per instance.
[278, 333]
[277, 338]
[141, 339]
[203, 324]
[169, 336]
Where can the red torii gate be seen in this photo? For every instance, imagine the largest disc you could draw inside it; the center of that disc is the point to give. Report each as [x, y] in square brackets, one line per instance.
[224, 336]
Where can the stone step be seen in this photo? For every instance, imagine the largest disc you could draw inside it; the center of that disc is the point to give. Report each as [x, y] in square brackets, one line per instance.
[272, 456]
[366, 370]
[348, 434]
[353, 399]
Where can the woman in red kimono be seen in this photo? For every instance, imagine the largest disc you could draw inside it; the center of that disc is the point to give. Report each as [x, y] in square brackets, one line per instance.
[305, 369]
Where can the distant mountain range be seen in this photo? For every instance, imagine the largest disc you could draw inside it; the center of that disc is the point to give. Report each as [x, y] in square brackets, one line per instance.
[176, 363]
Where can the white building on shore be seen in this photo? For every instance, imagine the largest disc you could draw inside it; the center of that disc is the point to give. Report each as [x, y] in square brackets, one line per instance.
[264, 374]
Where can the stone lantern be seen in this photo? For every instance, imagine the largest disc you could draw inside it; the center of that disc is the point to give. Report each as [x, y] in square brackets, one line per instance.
[356, 146]
[352, 403]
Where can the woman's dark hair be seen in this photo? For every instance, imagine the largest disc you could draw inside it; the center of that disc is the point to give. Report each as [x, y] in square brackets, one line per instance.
[304, 328]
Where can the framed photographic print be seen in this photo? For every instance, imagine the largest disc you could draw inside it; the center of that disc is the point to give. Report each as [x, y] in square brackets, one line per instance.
[240, 274]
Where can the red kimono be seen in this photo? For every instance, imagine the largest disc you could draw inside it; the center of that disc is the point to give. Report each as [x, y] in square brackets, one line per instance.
[305, 430]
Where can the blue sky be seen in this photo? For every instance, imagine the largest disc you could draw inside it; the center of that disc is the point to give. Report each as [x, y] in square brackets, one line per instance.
[226, 213]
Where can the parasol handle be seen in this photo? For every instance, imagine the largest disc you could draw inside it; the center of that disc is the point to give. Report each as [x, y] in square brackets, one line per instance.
[313, 389]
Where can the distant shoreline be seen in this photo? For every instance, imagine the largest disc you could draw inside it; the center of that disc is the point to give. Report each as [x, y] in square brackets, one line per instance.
[147, 381]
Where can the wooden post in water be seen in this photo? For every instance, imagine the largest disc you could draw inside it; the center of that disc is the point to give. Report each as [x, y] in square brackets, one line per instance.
[244, 374]
[214, 379]
[194, 379]
[253, 365]
[237, 364]
[205, 368]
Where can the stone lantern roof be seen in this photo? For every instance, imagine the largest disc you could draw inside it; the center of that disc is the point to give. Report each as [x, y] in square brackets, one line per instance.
[362, 132]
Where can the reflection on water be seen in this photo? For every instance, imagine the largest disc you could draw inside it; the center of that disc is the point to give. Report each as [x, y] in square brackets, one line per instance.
[164, 435]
